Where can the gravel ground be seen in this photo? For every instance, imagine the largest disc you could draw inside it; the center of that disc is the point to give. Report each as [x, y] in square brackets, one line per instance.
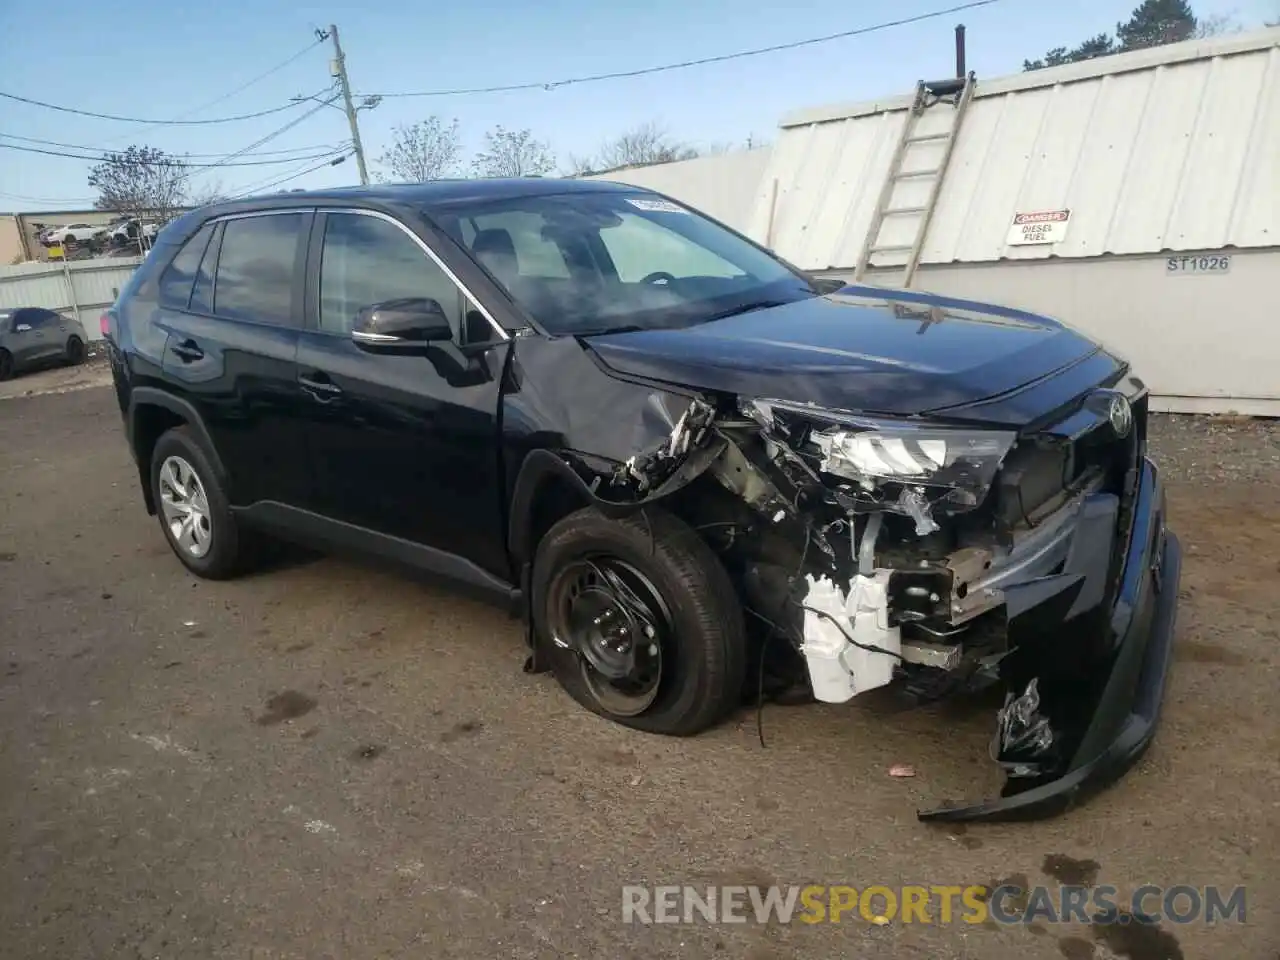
[326, 760]
[1216, 449]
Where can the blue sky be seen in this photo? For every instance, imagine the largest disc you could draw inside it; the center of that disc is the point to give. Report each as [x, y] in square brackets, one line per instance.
[162, 60]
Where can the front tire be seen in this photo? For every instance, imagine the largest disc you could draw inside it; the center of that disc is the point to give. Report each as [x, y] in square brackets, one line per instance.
[6, 365]
[639, 620]
[193, 508]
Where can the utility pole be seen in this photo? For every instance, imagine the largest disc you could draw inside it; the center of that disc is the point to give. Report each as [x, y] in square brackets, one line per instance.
[340, 71]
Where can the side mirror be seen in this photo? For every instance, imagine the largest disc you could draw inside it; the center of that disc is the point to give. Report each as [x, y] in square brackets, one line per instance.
[22, 328]
[401, 326]
[826, 285]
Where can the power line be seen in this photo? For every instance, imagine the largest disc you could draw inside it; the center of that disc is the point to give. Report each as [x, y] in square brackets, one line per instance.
[275, 183]
[621, 74]
[156, 123]
[274, 178]
[249, 83]
[224, 162]
[162, 163]
[18, 196]
[310, 148]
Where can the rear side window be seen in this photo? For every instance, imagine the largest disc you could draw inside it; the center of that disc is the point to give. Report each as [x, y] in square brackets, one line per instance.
[256, 268]
[202, 295]
[178, 276]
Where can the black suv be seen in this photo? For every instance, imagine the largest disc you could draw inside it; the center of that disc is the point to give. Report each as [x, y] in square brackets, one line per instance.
[696, 471]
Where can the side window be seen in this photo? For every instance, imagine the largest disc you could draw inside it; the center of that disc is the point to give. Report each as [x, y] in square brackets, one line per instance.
[366, 260]
[639, 247]
[202, 294]
[176, 280]
[255, 268]
[36, 318]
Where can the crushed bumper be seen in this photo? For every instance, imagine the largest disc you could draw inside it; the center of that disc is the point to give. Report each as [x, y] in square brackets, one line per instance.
[1119, 717]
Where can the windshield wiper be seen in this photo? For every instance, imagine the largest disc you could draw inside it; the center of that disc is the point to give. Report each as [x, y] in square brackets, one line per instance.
[621, 328]
[746, 308]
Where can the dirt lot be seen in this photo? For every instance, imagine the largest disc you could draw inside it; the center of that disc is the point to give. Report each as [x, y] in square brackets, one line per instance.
[325, 760]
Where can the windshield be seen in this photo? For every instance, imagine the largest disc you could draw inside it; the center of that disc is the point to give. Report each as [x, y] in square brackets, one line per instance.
[590, 262]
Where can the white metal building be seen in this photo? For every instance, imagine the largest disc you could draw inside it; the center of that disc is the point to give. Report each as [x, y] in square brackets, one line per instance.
[1166, 162]
[722, 186]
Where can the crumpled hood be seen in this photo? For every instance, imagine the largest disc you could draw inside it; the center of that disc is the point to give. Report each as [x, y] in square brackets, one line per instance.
[862, 348]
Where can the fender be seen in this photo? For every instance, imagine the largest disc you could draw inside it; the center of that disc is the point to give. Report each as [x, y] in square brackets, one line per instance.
[542, 466]
[140, 397]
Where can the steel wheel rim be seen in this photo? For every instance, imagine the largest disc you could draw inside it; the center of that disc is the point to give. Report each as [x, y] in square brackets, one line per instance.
[612, 617]
[185, 507]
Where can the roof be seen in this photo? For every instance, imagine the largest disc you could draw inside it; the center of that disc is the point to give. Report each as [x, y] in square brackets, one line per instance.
[1172, 148]
[437, 192]
[433, 194]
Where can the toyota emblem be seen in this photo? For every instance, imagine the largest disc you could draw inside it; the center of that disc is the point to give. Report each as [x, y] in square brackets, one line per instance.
[1120, 414]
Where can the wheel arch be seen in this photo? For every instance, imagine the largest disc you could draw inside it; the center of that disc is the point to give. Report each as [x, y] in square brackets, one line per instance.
[151, 413]
[546, 489]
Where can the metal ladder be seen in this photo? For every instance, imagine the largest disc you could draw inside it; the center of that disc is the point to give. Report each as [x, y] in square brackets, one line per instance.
[907, 218]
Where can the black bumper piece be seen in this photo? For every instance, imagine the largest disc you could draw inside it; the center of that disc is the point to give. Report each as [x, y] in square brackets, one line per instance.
[1127, 710]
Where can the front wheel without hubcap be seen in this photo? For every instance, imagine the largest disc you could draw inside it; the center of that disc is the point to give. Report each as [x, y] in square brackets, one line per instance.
[612, 616]
[639, 620]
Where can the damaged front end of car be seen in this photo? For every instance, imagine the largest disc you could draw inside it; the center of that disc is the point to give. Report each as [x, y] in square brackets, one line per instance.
[944, 557]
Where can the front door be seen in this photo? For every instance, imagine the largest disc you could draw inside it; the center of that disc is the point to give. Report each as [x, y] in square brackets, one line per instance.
[401, 445]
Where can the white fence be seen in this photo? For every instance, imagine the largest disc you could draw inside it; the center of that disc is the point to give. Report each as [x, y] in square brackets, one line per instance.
[79, 288]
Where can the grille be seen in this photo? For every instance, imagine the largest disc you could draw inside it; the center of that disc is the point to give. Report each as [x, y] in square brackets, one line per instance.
[1036, 475]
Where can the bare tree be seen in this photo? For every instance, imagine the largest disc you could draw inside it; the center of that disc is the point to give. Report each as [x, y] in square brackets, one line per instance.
[1216, 25]
[645, 144]
[513, 153]
[212, 192]
[641, 146]
[423, 151]
[142, 182]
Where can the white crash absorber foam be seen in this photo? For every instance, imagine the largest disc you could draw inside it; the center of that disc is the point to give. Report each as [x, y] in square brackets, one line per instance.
[840, 670]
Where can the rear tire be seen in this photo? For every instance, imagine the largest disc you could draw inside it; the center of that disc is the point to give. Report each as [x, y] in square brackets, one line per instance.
[700, 640]
[193, 509]
[75, 352]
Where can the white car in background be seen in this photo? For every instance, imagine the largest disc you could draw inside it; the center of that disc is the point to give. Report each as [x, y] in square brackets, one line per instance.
[128, 231]
[73, 232]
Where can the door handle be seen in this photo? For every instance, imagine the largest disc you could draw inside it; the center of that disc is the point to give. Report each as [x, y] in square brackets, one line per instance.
[319, 385]
[188, 351]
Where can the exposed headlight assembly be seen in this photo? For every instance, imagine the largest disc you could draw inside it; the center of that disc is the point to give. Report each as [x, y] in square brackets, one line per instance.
[873, 451]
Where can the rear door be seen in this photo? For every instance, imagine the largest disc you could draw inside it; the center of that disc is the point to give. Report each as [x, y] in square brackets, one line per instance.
[232, 309]
[21, 338]
[35, 333]
[403, 445]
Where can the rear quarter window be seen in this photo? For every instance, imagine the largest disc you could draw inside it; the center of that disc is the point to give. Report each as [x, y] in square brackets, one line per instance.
[177, 278]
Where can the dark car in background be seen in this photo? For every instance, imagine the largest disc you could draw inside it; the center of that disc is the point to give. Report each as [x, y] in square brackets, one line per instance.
[30, 336]
[695, 471]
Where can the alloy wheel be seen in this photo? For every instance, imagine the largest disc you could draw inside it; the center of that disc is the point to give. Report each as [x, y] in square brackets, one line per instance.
[185, 507]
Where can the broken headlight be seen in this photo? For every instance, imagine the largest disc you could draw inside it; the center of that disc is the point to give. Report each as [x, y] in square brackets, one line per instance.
[872, 451]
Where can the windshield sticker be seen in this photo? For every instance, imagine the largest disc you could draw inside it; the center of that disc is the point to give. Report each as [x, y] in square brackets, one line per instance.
[655, 205]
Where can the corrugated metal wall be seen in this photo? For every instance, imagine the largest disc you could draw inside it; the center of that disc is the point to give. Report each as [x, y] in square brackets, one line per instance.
[1175, 148]
[91, 288]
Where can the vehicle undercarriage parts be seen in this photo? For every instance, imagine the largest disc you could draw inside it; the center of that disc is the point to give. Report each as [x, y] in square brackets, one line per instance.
[1024, 740]
[844, 663]
[647, 470]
